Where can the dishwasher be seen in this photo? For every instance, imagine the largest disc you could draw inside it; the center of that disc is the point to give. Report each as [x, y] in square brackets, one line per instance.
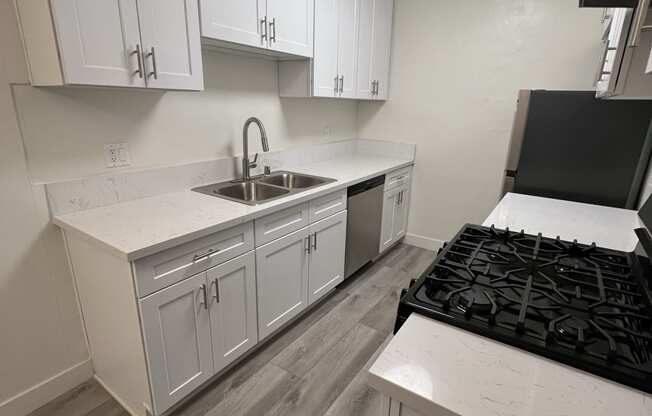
[365, 205]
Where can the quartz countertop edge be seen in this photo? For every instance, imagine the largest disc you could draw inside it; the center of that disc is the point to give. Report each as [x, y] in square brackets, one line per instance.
[138, 228]
[441, 370]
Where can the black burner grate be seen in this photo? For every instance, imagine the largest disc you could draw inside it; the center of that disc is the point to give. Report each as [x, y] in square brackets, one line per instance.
[580, 304]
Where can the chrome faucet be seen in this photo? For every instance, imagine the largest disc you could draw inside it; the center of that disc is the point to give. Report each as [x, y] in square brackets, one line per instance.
[246, 163]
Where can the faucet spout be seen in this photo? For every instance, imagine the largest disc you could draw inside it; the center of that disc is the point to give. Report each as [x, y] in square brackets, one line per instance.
[246, 163]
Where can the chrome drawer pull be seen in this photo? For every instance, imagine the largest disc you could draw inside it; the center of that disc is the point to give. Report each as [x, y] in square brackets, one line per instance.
[200, 257]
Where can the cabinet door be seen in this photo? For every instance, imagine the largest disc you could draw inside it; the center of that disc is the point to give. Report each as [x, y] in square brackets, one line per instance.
[347, 46]
[381, 46]
[328, 240]
[177, 334]
[291, 29]
[390, 203]
[233, 309]
[364, 87]
[97, 41]
[325, 60]
[172, 49]
[234, 21]
[399, 227]
[281, 281]
[613, 54]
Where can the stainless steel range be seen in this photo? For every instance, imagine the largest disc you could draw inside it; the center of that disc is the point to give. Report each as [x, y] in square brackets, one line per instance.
[582, 305]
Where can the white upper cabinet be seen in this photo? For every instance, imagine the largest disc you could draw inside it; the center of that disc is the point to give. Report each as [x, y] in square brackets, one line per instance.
[98, 41]
[291, 26]
[326, 78]
[283, 26]
[241, 22]
[171, 44]
[347, 44]
[109, 43]
[625, 55]
[374, 48]
[351, 55]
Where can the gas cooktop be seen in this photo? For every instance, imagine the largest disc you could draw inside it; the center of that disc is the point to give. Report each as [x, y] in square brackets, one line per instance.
[582, 305]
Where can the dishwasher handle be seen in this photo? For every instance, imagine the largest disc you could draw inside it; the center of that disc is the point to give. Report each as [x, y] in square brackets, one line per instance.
[365, 186]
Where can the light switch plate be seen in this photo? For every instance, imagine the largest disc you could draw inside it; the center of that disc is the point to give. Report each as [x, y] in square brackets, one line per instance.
[116, 155]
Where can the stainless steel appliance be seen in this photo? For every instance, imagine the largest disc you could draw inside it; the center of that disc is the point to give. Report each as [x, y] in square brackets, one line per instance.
[365, 206]
[570, 145]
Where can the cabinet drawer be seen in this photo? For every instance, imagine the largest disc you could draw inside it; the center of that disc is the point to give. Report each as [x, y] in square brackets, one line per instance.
[398, 178]
[327, 205]
[170, 266]
[281, 223]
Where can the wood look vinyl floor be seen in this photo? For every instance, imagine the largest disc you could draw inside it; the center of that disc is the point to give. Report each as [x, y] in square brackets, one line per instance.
[314, 367]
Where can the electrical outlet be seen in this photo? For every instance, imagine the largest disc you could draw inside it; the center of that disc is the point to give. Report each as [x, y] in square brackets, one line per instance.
[327, 131]
[116, 155]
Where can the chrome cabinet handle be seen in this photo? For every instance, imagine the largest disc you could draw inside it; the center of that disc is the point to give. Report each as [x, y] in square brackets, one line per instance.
[152, 54]
[336, 84]
[204, 297]
[341, 84]
[307, 244]
[216, 296]
[314, 242]
[377, 87]
[263, 31]
[272, 26]
[139, 59]
[200, 257]
[639, 21]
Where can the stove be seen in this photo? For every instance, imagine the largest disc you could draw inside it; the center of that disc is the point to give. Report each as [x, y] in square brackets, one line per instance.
[585, 306]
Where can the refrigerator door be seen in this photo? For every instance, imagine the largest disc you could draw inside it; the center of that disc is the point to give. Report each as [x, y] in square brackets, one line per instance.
[579, 148]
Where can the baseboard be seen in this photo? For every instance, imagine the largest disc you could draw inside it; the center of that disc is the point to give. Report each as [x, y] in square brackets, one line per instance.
[47, 390]
[421, 241]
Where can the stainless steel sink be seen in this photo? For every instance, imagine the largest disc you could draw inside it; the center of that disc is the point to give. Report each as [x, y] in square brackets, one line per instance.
[291, 180]
[264, 188]
[250, 193]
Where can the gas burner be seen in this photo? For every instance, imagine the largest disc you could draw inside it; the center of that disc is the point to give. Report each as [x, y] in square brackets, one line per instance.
[475, 298]
[573, 328]
[581, 304]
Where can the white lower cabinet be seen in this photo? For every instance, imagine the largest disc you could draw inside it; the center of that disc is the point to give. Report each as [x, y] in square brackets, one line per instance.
[327, 250]
[282, 280]
[298, 269]
[394, 219]
[195, 328]
[177, 334]
[232, 300]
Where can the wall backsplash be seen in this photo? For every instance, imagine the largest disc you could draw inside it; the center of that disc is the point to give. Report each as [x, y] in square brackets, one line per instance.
[65, 129]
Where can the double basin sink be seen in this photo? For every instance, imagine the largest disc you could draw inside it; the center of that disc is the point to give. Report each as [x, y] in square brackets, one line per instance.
[264, 188]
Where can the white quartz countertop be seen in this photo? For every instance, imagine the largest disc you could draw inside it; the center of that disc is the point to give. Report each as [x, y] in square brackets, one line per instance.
[441, 370]
[141, 227]
[607, 227]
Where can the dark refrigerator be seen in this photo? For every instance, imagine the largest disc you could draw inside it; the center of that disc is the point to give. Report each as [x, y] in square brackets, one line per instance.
[569, 145]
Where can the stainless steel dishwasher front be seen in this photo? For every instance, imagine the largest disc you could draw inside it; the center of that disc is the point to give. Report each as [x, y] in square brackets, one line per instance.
[365, 205]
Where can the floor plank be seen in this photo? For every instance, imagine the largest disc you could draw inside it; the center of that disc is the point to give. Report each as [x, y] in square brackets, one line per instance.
[323, 383]
[313, 367]
[79, 401]
[304, 353]
[260, 392]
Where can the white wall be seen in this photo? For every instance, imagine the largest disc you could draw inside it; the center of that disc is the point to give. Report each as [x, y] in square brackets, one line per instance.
[64, 129]
[39, 319]
[63, 132]
[456, 69]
